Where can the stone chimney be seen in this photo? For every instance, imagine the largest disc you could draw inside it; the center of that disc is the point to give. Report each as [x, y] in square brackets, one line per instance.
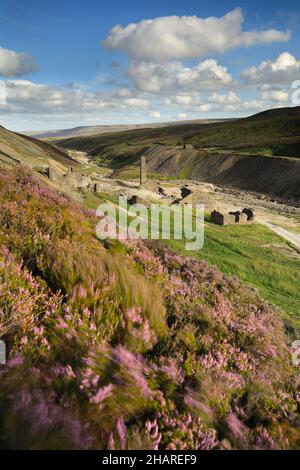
[143, 170]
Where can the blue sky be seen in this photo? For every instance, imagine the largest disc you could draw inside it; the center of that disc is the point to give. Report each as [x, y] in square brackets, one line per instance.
[62, 64]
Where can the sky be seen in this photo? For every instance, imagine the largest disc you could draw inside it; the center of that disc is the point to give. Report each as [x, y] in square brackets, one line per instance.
[76, 63]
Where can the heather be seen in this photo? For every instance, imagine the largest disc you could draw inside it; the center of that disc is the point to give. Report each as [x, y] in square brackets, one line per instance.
[254, 254]
[130, 346]
[258, 257]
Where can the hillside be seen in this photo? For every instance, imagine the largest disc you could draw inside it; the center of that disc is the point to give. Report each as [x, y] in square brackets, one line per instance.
[130, 346]
[83, 131]
[276, 176]
[274, 131]
[17, 148]
[242, 153]
[254, 254]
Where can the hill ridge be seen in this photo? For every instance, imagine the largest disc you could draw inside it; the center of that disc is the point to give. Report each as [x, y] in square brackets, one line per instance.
[18, 148]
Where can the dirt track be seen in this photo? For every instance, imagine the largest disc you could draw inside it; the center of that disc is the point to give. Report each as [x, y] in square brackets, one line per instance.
[286, 234]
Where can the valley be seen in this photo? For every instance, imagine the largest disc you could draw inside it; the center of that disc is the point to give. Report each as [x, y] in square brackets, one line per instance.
[221, 318]
[220, 179]
[149, 233]
[259, 153]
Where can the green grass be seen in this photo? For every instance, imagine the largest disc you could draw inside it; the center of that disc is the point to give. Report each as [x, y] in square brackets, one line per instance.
[131, 172]
[93, 200]
[95, 169]
[254, 254]
[267, 152]
[276, 132]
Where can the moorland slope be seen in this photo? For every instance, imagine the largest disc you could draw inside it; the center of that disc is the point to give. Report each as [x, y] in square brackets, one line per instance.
[17, 148]
[258, 153]
[130, 346]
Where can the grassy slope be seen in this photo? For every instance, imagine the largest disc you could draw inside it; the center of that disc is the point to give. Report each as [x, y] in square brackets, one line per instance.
[254, 254]
[250, 253]
[129, 346]
[274, 132]
[16, 148]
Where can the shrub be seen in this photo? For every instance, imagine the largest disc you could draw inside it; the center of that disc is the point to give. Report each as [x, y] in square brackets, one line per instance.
[132, 346]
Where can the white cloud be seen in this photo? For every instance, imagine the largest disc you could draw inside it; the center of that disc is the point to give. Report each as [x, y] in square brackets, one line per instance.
[44, 103]
[230, 103]
[123, 93]
[175, 77]
[283, 70]
[35, 97]
[25, 96]
[204, 102]
[14, 64]
[254, 105]
[229, 99]
[276, 95]
[174, 37]
[155, 114]
[207, 107]
[183, 99]
[136, 102]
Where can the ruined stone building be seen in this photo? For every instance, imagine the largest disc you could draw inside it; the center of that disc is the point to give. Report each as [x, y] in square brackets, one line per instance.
[72, 179]
[243, 217]
[77, 180]
[188, 146]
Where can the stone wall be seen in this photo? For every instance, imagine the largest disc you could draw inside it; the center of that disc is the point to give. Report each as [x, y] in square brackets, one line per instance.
[72, 178]
[244, 217]
[77, 180]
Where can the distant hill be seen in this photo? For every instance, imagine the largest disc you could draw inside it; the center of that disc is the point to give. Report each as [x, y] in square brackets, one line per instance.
[272, 132]
[237, 153]
[103, 129]
[17, 148]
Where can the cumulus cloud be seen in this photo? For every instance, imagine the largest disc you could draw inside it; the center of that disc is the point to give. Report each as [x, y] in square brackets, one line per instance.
[231, 102]
[182, 37]
[123, 93]
[221, 102]
[14, 64]
[209, 101]
[283, 70]
[174, 76]
[34, 97]
[254, 105]
[136, 102]
[155, 114]
[227, 99]
[183, 99]
[25, 96]
[275, 95]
